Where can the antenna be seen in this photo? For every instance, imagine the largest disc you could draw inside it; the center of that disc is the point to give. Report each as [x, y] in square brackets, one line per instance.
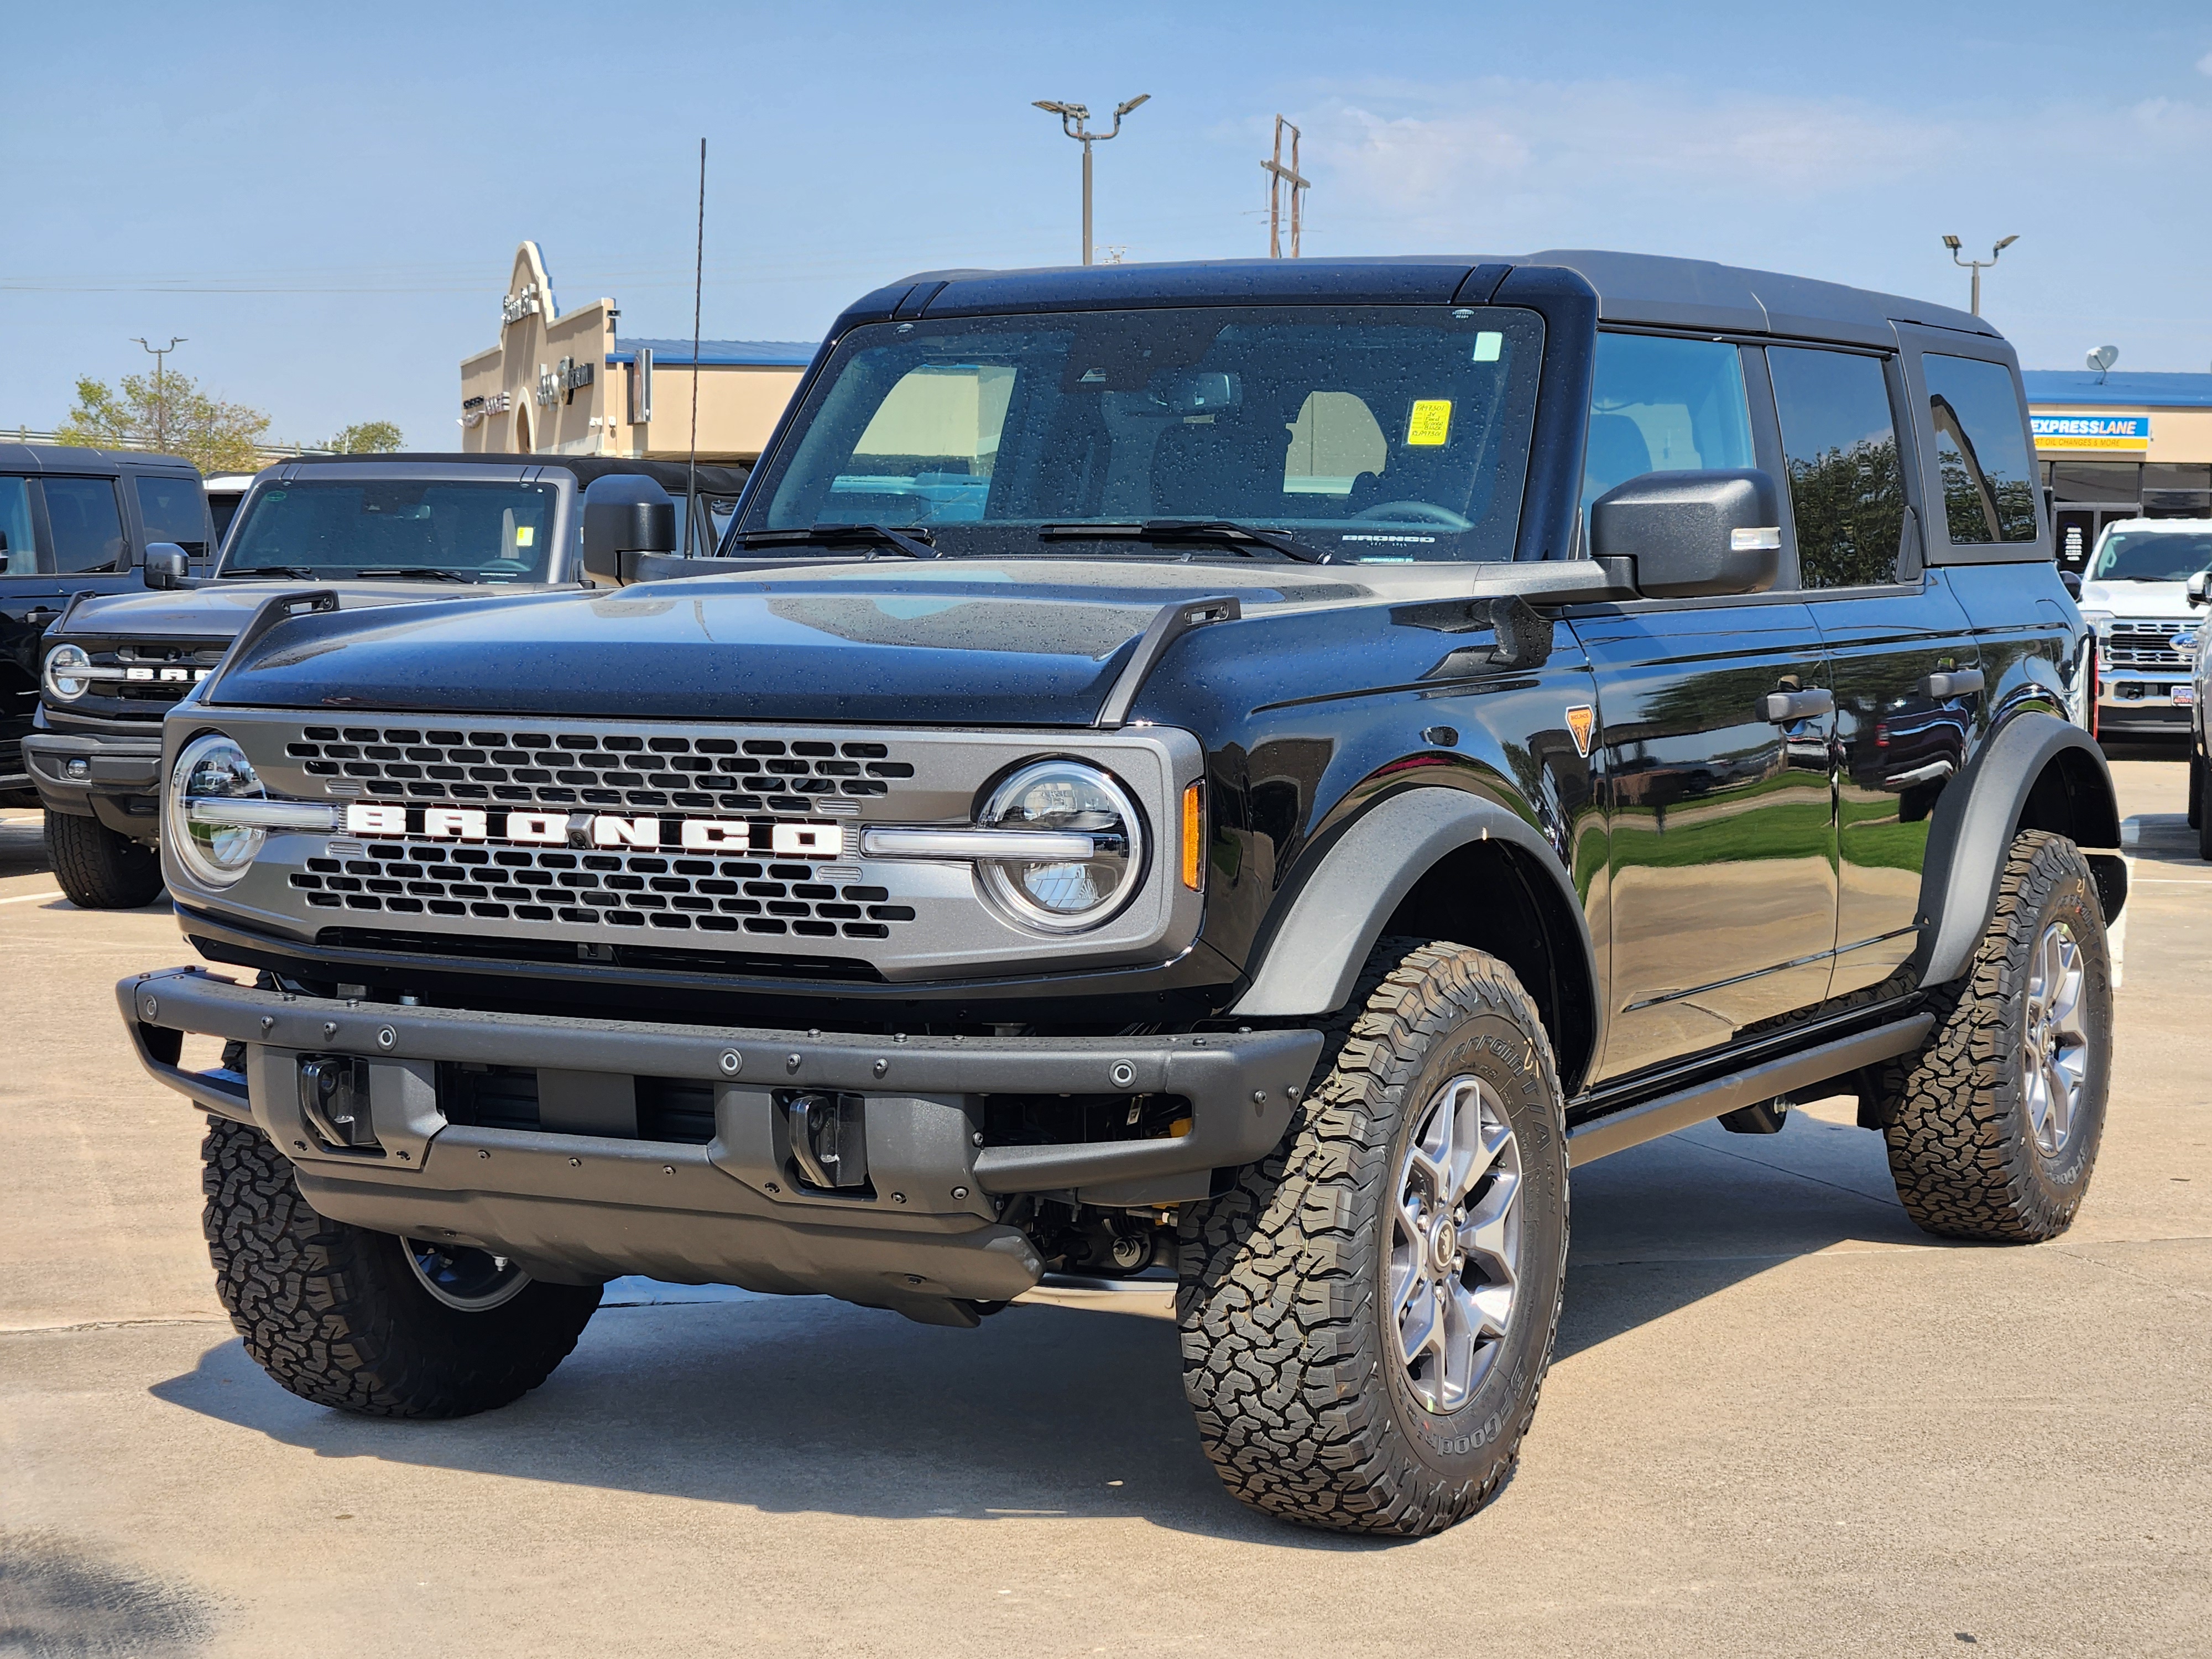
[698, 276]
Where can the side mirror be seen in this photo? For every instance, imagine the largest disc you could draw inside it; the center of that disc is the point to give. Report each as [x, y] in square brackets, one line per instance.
[625, 515]
[167, 565]
[2072, 582]
[2200, 588]
[1689, 535]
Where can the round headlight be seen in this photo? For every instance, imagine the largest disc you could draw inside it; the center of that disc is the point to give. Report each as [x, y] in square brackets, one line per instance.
[1066, 896]
[211, 771]
[63, 682]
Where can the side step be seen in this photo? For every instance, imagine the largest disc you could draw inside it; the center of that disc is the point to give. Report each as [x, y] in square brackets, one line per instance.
[1792, 1073]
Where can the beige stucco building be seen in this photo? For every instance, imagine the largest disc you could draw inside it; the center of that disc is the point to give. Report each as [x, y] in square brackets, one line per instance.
[2120, 446]
[570, 384]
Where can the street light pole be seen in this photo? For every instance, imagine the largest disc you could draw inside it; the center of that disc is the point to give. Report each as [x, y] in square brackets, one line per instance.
[1978, 266]
[160, 397]
[1072, 119]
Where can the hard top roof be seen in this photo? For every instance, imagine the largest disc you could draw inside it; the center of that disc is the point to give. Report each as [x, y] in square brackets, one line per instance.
[1632, 287]
[716, 477]
[105, 463]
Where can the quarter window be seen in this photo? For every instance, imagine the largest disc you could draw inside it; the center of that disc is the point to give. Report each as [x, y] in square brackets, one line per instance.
[1663, 405]
[1981, 450]
[21, 558]
[87, 530]
[1846, 482]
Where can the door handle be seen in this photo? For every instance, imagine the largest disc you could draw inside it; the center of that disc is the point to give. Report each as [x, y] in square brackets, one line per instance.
[1952, 683]
[1780, 708]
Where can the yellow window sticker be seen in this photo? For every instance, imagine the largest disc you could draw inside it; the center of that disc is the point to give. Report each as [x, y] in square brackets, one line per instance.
[524, 534]
[1431, 421]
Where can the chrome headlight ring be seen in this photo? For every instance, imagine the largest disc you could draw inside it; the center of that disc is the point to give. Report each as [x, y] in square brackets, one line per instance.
[1058, 893]
[216, 845]
[60, 679]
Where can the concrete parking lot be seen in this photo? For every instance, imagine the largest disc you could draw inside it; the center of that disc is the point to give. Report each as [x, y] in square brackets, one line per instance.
[1781, 1421]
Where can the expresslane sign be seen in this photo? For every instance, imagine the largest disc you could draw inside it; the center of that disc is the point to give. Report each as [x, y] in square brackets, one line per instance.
[2122, 433]
[778, 838]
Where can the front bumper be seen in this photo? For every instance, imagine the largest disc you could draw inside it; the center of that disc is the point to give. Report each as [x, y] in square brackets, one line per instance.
[2137, 700]
[588, 1206]
[116, 779]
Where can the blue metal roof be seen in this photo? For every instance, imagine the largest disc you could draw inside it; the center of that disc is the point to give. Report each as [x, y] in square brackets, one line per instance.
[2141, 390]
[713, 354]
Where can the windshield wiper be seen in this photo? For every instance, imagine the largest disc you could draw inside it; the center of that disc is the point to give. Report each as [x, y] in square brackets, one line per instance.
[429, 571]
[917, 543]
[297, 572]
[1226, 532]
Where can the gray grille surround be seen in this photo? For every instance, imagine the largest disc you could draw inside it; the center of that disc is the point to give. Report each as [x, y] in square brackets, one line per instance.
[903, 919]
[2137, 642]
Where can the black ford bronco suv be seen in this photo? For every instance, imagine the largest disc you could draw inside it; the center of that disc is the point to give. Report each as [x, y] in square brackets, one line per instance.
[1263, 766]
[393, 529]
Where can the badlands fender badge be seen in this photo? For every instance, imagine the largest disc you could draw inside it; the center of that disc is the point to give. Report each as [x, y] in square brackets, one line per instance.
[781, 837]
[1582, 721]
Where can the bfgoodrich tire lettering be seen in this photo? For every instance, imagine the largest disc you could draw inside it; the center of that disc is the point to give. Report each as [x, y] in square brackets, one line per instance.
[1964, 1116]
[1290, 1358]
[99, 869]
[335, 1313]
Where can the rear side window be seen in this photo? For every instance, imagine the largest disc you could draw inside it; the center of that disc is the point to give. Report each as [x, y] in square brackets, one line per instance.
[1662, 406]
[175, 510]
[87, 530]
[1846, 483]
[1981, 450]
[22, 556]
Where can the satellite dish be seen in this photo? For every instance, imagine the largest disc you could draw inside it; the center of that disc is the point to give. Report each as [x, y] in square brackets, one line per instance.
[2104, 357]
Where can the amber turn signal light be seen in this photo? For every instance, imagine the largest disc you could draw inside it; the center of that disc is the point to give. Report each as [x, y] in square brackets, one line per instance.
[1193, 837]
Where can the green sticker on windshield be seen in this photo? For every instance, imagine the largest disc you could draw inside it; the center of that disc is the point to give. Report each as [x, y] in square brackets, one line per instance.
[1430, 423]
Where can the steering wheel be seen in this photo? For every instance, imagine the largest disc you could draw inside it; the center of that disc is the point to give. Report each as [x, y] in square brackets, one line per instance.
[1416, 513]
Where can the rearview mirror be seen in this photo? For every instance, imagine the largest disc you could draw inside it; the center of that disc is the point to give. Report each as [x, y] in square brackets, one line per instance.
[625, 515]
[167, 565]
[1690, 535]
[2200, 588]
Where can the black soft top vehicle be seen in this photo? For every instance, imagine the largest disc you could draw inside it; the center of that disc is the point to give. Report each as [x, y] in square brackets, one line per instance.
[392, 529]
[1262, 766]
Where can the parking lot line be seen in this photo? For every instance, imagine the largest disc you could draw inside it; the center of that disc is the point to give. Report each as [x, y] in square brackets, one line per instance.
[25, 898]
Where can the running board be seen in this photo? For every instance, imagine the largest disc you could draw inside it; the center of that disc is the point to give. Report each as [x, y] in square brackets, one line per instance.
[1648, 1120]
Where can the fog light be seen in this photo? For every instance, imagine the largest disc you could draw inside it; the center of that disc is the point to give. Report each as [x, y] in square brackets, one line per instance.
[79, 769]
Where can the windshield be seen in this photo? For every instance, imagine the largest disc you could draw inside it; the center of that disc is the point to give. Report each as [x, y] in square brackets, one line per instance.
[2151, 556]
[478, 531]
[1360, 433]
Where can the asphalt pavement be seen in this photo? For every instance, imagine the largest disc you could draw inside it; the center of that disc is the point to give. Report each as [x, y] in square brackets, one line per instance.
[1781, 1421]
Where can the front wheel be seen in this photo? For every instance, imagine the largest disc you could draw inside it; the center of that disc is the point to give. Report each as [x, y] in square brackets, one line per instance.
[99, 869]
[1368, 1313]
[2200, 805]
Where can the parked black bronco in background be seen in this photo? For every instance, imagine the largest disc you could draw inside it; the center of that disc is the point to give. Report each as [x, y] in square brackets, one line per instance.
[1263, 765]
[392, 529]
[76, 521]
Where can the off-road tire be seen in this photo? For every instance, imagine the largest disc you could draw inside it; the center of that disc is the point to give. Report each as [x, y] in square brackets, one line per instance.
[99, 869]
[1304, 1407]
[335, 1314]
[1961, 1150]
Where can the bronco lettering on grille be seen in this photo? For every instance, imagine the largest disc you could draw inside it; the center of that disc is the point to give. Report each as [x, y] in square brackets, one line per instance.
[783, 838]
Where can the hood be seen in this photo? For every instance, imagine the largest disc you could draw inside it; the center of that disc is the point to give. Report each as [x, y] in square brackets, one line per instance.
[2148, 599]
[1013, 643]
[218, 610]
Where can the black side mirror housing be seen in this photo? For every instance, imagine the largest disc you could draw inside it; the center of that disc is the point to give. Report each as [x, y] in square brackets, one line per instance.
[1690, 535]
[167, 565]
[624, 516]
[2200, 588]
[2073, 583]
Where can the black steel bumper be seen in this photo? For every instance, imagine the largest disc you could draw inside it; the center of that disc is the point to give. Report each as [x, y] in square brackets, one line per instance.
[116, 779]
[591, 1207]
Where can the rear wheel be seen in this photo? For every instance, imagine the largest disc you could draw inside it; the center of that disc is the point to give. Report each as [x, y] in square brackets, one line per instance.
[1368, 1313]
[2200, 803]
[365, 1322]
[99, 869]
[1993, 1126]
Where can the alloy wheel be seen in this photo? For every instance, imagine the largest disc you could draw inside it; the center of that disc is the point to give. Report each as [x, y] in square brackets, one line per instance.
[2054, 1041]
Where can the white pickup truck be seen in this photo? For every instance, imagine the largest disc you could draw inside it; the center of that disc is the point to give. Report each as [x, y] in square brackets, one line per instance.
[2134, 594]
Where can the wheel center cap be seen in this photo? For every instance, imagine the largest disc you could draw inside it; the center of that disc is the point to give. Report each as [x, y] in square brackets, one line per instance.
[1444, 1245]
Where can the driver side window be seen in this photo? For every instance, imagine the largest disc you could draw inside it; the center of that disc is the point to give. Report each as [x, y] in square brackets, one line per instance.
[1663, 405]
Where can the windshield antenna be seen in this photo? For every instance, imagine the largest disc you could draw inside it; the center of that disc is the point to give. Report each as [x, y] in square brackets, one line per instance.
[698, 277]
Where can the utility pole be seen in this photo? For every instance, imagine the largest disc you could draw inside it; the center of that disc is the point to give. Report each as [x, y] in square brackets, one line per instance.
[1978, 266]
[1072, 119]
[1277, 176]
[698, 281]
[161, 396]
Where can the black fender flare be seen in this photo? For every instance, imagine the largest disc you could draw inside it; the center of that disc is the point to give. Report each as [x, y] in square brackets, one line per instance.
[1972, 829]
[1309, 964]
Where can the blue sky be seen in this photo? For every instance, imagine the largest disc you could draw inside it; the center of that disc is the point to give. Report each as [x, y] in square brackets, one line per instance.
[325, 201]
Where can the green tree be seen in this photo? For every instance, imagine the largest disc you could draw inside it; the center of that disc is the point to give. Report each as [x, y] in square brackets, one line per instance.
[367, 438]
[167, 413]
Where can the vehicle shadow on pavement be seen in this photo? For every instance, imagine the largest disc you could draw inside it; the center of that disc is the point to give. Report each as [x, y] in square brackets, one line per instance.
[800, 1404]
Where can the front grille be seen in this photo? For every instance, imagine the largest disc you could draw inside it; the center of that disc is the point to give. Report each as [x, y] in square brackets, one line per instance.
[160, 673]
[583, 769]
[598, 889]
[2145, 644]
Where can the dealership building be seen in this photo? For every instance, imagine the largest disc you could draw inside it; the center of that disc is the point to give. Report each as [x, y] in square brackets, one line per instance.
[569, 384]
[2117, 445]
